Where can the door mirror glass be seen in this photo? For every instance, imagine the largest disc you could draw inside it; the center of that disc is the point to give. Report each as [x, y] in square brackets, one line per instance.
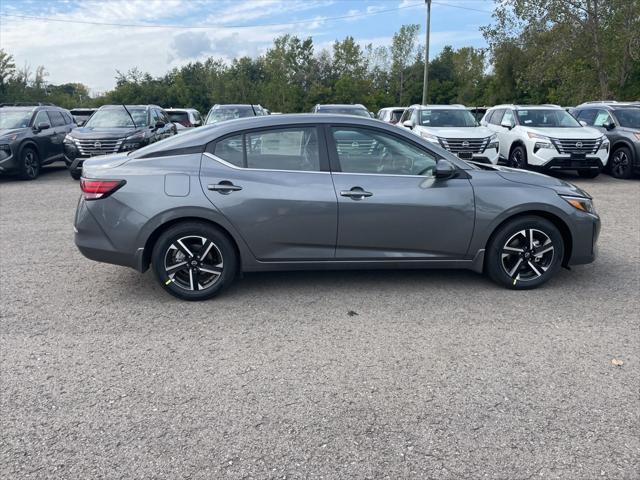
[43, 126]
[444, 169]
[408, 123]
[506, 123]
[160, 124]
[583, 123]
[609, 125]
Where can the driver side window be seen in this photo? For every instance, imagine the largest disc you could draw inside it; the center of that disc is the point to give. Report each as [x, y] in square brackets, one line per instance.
[362, 150]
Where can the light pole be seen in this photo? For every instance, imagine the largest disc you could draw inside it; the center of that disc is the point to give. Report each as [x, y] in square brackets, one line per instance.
[425, 83]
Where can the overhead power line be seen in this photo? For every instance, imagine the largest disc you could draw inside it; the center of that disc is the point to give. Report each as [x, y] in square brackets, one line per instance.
[206, 27]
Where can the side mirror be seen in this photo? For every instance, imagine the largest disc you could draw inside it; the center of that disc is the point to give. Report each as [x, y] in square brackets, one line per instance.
[583, 123]
[43, 126]
[408, 124]
[609, 126]
[160, 124]
[507, 125]
[444, 169]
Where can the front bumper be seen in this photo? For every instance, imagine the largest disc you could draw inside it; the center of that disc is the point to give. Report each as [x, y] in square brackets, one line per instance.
[549, 158]
[586, 231]
[8, 162]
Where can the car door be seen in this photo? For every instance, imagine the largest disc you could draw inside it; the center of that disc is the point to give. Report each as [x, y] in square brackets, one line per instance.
[60, 129]
[507, 133]
[44, 138]
[390, 205]
[274, 186]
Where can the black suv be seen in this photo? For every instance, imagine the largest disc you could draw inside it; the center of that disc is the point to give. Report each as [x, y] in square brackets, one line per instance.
[113, 129]
[620, 122]
[31, 135]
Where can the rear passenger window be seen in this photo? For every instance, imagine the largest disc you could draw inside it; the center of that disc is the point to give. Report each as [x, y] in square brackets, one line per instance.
[57, 120]
[283, 149]
[230, 150]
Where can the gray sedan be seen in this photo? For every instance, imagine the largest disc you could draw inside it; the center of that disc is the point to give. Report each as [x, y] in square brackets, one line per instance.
[293, 192]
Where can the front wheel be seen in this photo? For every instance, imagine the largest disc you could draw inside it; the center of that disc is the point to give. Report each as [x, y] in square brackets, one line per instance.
[518, 157]
[525, 253]
[194, 261]
[620, 163]
[29, 164]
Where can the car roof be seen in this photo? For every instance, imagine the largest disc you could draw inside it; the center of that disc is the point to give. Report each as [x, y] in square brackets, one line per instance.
[545, 106]
[393, 108]
[180, 110]
[341, 105]
[455, 106]
[112, 107]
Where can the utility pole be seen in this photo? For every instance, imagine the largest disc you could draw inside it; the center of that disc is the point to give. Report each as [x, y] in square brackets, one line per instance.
[425, 84]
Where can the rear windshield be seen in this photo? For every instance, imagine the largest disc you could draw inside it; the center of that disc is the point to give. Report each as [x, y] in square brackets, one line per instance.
[540, 118]
[447, 118]
[628, 117]
[360, 112]
[14, 118]
[81, 113]
[179, 117]
[229, 113]
[396, 114]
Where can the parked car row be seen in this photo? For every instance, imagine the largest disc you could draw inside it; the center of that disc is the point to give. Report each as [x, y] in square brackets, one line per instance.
[588, 139]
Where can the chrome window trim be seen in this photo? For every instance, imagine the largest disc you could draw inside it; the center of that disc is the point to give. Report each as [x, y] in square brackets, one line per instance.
[249, 169]
[384, 175]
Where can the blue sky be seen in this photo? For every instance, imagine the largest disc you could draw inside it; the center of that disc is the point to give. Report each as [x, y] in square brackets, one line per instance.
[73, 49]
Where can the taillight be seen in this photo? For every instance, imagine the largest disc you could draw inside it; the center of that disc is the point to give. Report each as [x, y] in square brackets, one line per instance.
[95, 189]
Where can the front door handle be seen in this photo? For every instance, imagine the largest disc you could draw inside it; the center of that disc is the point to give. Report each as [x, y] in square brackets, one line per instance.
[225, 187]
[356, 193]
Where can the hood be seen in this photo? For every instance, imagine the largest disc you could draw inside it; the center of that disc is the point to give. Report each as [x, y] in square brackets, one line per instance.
[540, 180]
[458, 132]
[90, 133]
[585, 133]
[10, 131]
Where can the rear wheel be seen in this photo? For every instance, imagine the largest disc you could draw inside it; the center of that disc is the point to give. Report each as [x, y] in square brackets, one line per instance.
[518, 157]
[525, 253]
[29, 164]
[75, 174]
[194, 261]
[620, 163]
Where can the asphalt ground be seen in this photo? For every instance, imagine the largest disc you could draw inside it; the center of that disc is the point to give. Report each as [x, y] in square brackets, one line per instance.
[333, 375]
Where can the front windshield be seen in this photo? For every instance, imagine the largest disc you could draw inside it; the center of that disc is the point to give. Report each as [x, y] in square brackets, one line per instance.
[118, 118]
[628, 117]
[14, 118]
[229, 113]
[359, 112]
[554, 118]
[447, 118]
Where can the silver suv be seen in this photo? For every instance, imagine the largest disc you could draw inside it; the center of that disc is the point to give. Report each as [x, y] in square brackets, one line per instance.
[454, 128]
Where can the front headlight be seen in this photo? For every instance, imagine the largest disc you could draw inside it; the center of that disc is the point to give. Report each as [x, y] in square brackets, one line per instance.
[69, 139]
[543, 142]
[133, 142]
[605, 144]
[581, 203]
[429, 137]
[637, 135]
[10, 138]
[493, 142]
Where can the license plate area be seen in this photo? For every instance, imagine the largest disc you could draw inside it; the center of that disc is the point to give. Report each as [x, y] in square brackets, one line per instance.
[465, 155]
[578, 156]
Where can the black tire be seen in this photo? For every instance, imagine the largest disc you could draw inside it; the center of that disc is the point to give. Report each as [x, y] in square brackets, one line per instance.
[589, 173]
[509, 254]
[621, 163]
[75, 174]
[518, 157]
[182, 243]
[29, 164]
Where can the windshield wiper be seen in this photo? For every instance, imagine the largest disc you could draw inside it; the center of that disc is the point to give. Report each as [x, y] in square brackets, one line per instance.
[132, 120]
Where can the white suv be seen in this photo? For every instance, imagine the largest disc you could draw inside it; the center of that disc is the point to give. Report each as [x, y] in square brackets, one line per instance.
[547, 137]
[454, 128]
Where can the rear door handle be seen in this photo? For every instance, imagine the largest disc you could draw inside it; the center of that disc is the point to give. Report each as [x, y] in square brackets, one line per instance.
[356, 193]
[224, 187]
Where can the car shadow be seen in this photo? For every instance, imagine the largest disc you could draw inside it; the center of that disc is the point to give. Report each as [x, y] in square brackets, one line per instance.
[46, 171]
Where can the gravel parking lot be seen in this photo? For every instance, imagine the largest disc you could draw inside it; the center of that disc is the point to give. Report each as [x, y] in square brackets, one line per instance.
[407, 374]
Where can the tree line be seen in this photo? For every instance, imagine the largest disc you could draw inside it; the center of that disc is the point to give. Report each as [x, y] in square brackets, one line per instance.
[539, 51]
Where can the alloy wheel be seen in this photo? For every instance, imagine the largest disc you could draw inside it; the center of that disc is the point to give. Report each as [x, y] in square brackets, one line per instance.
[527, 255]
[620, 164]
[193, 263]
[31, 166]
[517, 158]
